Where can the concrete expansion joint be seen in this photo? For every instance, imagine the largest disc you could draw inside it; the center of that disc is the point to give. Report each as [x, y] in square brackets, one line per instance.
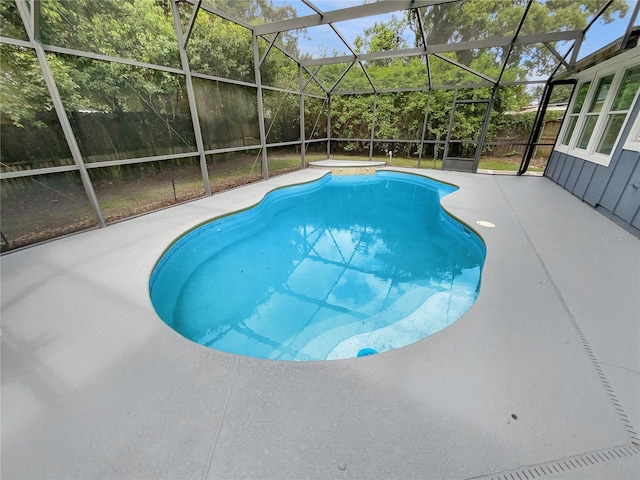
[631, 431]
[222, 415]
[635, 439]
[565, 465]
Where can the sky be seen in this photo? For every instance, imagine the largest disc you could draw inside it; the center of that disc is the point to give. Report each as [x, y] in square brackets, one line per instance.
[323, 40]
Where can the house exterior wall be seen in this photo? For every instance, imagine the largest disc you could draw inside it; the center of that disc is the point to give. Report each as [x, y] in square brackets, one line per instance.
[613, 189]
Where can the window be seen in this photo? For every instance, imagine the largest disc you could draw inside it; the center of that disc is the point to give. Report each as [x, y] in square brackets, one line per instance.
[622, 103]
[599, 112]
[575, 112]
[591, 117]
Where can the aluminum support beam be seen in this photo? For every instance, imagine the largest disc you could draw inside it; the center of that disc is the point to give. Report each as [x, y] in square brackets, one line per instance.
[485, 128]
[630, 25]
[312, 78]
[192, 22]
[511, 44]
[268, 49]
[342, 39]
[424, 127]
[576, 50]
[263, 135]
[36, 171]
[193, 107]
[56, 99]
[556, 54]
[312, 62]
[15, 42]
[215, 78]
[373, 125]
[35, 19]
[449, 47]
[453, 110]
[426, 57]
[329, 126]
[377, 8]
[313, 7]
[109, 58]
[341, 77]
[303, 147]
[366, 74]
[219, 13]
[464, 67]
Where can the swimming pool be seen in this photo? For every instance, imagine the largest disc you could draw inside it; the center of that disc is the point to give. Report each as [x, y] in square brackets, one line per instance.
[338, 268]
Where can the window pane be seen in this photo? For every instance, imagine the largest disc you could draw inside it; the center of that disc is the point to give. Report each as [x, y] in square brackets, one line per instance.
[228, 114]
[278, 70]
[42, 207]
[627, 91]
[614, 124]
[582, 94]
[221, 48]
[232, 169]
[128, 190]
[587, 130]
[601, 94]
[30, 131]
[281, 116]
[398, 73]
[118, 111]
[400, 115]
[10, 21]
[315, 117]
[283, 159]
[570, 128]
[352, 117]
[137, 29]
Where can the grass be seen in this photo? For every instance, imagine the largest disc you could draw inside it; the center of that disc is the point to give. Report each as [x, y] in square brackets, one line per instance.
[505, 164]
[510, 163]
[32, 215]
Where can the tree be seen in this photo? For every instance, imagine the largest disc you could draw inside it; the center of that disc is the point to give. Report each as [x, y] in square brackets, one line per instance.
[470, 20]
[382, 37]
[141, 30]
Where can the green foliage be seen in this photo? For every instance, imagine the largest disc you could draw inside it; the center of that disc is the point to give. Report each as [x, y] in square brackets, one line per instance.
[24, 94]
[142, 30]
[351, 117]
[382, 37]
[470, 20]
[221, 48]
[10, 21]
[138, 29]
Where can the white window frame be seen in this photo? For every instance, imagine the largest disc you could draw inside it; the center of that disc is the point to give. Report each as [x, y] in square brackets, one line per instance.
[633, 140]
[571, 115]
[618, 69]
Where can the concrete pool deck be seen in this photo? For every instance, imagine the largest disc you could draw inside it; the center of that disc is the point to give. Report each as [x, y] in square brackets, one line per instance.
[540, 379]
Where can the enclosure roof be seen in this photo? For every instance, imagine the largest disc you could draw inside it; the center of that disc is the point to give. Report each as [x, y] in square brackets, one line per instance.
[539, 37]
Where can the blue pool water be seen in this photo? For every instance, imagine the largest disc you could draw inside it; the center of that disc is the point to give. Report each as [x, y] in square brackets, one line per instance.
[339, 268]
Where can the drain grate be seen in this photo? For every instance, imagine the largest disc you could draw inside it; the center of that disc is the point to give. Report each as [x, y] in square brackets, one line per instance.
[558, 467]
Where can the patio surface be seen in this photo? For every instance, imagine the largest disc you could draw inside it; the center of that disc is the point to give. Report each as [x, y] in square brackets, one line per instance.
[540, 379]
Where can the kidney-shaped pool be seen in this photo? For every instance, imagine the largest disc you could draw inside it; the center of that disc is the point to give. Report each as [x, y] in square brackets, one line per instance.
[342, 267]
